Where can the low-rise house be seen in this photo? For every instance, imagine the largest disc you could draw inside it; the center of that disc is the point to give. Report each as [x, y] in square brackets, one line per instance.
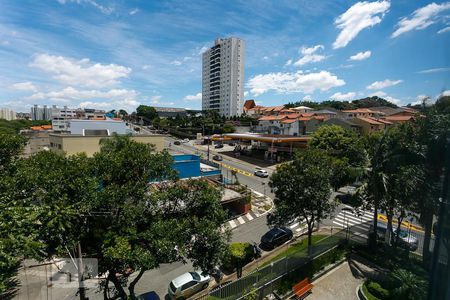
[399, 118]
[362, 113]
[369, 125]
[346, 124]
[326, 113]
[302, 109]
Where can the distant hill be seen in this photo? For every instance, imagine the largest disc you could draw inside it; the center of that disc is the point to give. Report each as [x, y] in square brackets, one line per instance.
[340, 105]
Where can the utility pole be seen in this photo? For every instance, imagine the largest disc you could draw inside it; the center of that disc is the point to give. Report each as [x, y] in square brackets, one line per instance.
[81, 288]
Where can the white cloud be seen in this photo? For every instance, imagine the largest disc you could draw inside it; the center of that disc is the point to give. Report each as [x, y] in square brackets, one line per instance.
[444, 30]
[445, 93]
[385, 96]
[358, 17]
[361, 55]
[343, 97]
[70, 93]
[307, 98]
[103, 9]
[196, 97]
[80, 72]
[24, 86]
[146, 67]
[420, 99]
[134, 11]
[420, 19]
[309, 55]
[289, 62]
[435, 70]
[245, 94]
[156, 99]
[176, 63]
[378, 85]
[293, 82]
[265, 58]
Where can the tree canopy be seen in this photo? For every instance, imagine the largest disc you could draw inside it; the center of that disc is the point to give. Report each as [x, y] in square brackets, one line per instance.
[302, 190]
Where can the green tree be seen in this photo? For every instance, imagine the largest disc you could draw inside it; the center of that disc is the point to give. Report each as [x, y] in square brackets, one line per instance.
[346, 150]
[443, 105]
[409, 285]
[228, 128]
[147, 112]
[302, 190]
[135, 227]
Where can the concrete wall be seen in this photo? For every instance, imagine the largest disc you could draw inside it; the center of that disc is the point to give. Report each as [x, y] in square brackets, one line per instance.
[71, 144]
[78, 126]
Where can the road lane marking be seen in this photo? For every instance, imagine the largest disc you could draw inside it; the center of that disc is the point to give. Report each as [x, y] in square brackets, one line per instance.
[236, 170]
[232, 224]
[406, 224]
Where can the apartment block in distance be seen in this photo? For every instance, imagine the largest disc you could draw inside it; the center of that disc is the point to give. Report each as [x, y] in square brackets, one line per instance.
[223, 77]
[7, 114]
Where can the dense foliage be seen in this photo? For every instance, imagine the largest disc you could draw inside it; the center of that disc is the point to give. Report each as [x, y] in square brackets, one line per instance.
[14, 126]
[342, 105]
[51, 204]
[302, 190]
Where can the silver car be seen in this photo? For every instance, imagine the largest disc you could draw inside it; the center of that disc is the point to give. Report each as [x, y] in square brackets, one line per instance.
[261, 173]
[187, 284]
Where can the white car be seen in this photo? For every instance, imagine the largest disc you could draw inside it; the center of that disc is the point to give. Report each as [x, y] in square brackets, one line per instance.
[187, 284]
[261, 173]
[185, 141]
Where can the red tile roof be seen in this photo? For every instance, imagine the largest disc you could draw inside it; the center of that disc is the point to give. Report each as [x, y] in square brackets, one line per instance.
[370, 121]
[399, 118]
[271, 118]
[289, 121]
[248, 104]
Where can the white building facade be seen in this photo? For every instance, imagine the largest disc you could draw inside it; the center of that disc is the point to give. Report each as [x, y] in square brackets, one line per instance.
[7, 114]
[223, 77]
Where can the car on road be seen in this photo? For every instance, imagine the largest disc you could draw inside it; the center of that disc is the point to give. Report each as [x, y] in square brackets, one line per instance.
[261, 173]
[185, 141]
[218, 146]
[406, 240]
[177, 143]
[276, 237]
[217, 157]
[188, 284]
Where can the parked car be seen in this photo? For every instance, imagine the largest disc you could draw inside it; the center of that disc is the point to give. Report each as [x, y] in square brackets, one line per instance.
[148, 296]
[186, 141]
[218, 146]
[276, 237]
[218, 157]
[261, 173]
[187, 284]
[406, 240]
[177, 143]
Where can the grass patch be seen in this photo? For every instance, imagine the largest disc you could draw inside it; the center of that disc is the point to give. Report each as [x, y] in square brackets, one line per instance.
[367, 293]
[295, 249]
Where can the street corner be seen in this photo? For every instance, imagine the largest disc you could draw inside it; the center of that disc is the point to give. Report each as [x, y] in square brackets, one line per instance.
[261, 204]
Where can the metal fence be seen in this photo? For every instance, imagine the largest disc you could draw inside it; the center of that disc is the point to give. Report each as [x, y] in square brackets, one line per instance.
[265, 278]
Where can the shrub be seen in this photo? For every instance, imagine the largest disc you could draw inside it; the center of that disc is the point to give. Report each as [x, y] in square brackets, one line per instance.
[238, 254]
[377, 290]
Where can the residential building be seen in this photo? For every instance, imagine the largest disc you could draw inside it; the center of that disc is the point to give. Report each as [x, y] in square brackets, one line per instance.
[37, 140]
[170, 112]
[106, 127]
[362, 113]
[223, 77]
[41, 113]
[302, 109]
[23, 116]
[346, 124]
[399, 118]
[326, 113]
[62, 116]
[248, 104]
[369, 125]
[7, 114]
[89, 144]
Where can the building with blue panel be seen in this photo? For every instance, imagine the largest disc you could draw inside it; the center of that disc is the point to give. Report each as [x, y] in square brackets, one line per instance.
[189, 166]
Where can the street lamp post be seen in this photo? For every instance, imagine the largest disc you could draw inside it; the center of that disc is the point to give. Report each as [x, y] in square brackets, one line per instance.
[264, 186]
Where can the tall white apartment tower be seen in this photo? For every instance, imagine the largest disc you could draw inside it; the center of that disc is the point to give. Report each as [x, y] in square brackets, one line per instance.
[223, 77]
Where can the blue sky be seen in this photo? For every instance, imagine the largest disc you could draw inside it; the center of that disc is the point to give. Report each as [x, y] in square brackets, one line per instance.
[119, 54]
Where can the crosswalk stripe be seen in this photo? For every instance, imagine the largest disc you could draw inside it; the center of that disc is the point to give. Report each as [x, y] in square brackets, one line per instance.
[232, 224]
[249, 216]
[360, 225]
[356, 219]
[240, 220]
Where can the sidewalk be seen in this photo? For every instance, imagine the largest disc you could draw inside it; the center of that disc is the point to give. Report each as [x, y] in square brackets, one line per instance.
[261, 205]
